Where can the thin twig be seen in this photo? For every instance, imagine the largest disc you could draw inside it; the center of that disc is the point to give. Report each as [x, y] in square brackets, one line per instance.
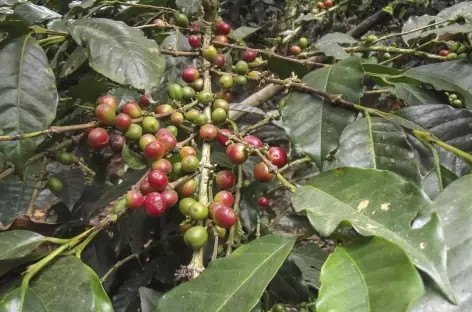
[37, 188]
[395, 50]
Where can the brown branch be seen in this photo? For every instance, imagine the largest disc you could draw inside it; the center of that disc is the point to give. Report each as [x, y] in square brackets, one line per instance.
[185, 142]
[180, 53]
[257, 99]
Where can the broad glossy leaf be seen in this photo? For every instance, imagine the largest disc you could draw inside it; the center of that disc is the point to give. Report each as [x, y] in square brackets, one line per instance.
[313, 123]
[132, 159]
[120, 52]
[431, 181]
[377, 143]
[288, 285]
[149, 299]
[451, 125]
[73, 62]
[73, 181]
[376, 203]
[65, 285]
[336, 37]
[415, 22]
[188, 7]
[447, 76]
[448, 30]
[333, 49]
[32, 13]
[284, 68]
[310, 259]
[242, 32]
[414, 95]
[454, 207]
[453, 11]
[28, 93]
[234, 283]
[371, 276]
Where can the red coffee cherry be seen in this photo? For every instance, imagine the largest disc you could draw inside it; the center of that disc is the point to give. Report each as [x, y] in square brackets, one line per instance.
[158, 180]
[328, 3]
[208, 132]
[105, 114]
[213, 207]
[223, 28]
[253, 142]
[188, 188]
[220, 60]
[132, 109]
[144, 101]
[277, 156]
[195, 27]
[225, 198]
[261, 172]
[155, 204]
[146, 188]
[320, 5]
[236, 153]
[225, 217]
[168, 140]
[222, 138]
[263, 201]
[249, 55]
[221, 38]
[123, 122]
[190, 74]
[295, 50]
[170, 196]
[108, 99]
[117, 141]
[154, 150]
[225, 179]
[134, 200]
[98, 138]
[444, 52]
[194, 41]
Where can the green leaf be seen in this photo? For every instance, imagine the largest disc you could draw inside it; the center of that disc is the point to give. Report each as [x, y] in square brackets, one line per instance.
[376, 276]
[284, 68]
[377, 143]
[119, 52]
[453, 11]
[415, 22]
[32, 13]
[188, 6]
[124, 95]
[65, 284]
[448, 76]
[29, 96]
[431, 182]
[242, 32]
[132, 159]
[288, 285]
[310, 259]
[376, 203]
[413, 95]
[336, 37]
[73, 181]
[334, 50]
[234, 283]
[454, 207]
[313, 123]
[447, 30]
[73, 62]
[149, 299]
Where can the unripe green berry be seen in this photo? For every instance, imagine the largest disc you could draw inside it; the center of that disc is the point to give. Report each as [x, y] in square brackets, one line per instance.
[201, 119]
[150, 124]
[218, 116]
[174, 130]
[55, 185]
[303, 42]
[205, 97]
[191, 114]
[134, 132]
[65, 158]
[188, 92]
[182, 20]
[175, 91]
[226, 81]
[241, 67]
[240, 80]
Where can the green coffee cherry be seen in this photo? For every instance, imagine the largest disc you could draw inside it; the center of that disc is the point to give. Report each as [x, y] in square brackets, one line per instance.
[452, 57]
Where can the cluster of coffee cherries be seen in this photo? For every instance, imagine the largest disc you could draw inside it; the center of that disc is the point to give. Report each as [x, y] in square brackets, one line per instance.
[454, 100]
[324, 5]
[457, 51]
[297, 49]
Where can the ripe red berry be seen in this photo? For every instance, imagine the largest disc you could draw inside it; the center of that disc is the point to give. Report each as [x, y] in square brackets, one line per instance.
[225, 217]
[225, 198]
[263, 201]
[188, 188]
[98, 138]
[320, 5]
[194, 41]
[163, 132]
[249, 55]
[123, 122]
[213, 207]
[444, 52]
[222, 138]
[144, 100]
[328, 3]
[154, 150]
[295, 50]
[158, 179]
[208, 132]
[105, 114]
[220, 60]
[222, 39]
[155, 204]
[134, 200]
[168, 140]
[223, 28]
[195, 27]
[277, 156]
[108, 99]
[117, 141]
[261, 172]
[225, 179]
[132, 109]
[162, 164]
[146, 188]
[253, 142]
[190, 74]
[170, 196]
[236, 153]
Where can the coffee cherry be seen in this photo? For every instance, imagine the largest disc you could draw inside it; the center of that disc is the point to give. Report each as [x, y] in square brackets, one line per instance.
[197, 85]
[155, 204]
[154, 150]
[171, 197]
[159, 22]
[117, 141]
[254, 74]
[55, 185]
[371, 38]
[451, 57]
[65, 158]
[205, 97]
[190, 74]
[146, 188]
[132, 109]
[249, 55]
[240, 80]
[224, 198]
[177, 169]
[198, 211]
[236, 153]
[241, 67]
[98, 138]
[220, 61]
[201, 120]
[134, 200]
[108, 99]
[182, 20]
[190, 163]
[184, 205]
[163, 109]
[221, 38]
[253, 141]
[195, 27]
[208, 132]
[188, 188]
[150, 124]
[457, 103]
[225, 95]
[222, 136]
[320, 5]
[225, 179]
[194, 41]
[225, 217]
[303, 42]
[261, 172]
[220, 231]
[218, 116]
[213, 207]
[226, 81]
[145, 140]
[123, 122]
[134, 132]
[144, 101]
[220, 103]
[295, 50]
[209, 53]
[278, 308]
[196, 237]
[188, 93]
[173, 130]
[187, 151]
[176, 119]
[158, 179]
[167, 140]
[163, 165]
[263, 201]
[192, 114]
[223, 28]
[328, 3]
[175, 91]
[105, 114]
[277, 156]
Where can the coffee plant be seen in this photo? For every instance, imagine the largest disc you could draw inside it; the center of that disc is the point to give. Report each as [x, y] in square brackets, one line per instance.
[193, 155]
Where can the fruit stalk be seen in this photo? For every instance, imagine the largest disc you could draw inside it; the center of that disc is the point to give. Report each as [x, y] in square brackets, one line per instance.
[37, 188]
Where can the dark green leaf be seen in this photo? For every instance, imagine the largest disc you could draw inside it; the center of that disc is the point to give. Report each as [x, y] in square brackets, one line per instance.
[453, 11]
[376, 203]
[447, 30]
[288, 285]
[73, 62]
[124, 95]
[242, 32]
[132, 159]
[413, 95]
[336, 38]
[217, 289]
[149, 299]
[284, 68]
[376, 276]
[333, 49]
[120, 52]
[313, 123]
[73, 181]
[188, 7]
[415, 22]
[310, 259]
[29, 96]
[90, 87]
[32, 13]
[431, 182]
